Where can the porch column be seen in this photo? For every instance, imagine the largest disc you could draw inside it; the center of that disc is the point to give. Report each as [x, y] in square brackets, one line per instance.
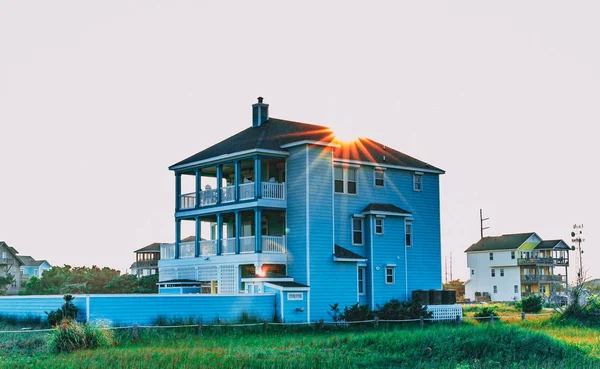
[258, 230]
[236, 182]
[238, 228]
[177, 190]
[219, 182]
[219, 232]
[197, 240]
[177, 237]
[257, 176]
[198, 186]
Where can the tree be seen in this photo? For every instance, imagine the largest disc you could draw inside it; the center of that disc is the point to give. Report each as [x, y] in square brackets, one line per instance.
[5, 281]
[458, 286]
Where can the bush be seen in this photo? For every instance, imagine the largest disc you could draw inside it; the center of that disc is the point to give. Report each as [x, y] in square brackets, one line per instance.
[354, 313]
[532, 304]
[486, 312]
[397, 310]
[67, 312]
[71, 336]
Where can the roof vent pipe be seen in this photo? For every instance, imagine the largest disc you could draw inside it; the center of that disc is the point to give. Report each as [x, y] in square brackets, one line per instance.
[260, 113]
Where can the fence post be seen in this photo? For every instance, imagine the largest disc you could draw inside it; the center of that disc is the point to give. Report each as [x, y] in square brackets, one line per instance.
[199, 329]
[458, 320]
[421, 323]
[135, 331]
[492, 319]
[265, 326]
[523, 316]
[376, 322]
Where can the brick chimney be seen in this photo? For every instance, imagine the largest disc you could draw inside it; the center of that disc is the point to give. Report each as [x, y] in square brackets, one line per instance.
[260, 113]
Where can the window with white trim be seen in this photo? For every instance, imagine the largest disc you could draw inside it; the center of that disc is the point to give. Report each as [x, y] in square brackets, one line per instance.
[501, 272]
[345, 180]
[357, 231]
[390, 274]
[516, 288]
[495, 289]
[408, 233]
[493, 272]
[379, 178]
[491, 256]
[417, 182]
[295, 296]
[472, 271]
[361, 281]
[379, 226]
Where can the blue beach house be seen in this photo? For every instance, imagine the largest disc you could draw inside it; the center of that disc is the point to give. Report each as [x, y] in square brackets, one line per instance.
[285, 208]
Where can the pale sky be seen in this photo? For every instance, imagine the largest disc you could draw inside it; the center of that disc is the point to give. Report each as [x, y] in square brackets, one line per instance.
[98, 99]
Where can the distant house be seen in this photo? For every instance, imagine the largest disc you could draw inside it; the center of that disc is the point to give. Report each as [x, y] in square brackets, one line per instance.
[146, 260]
[295, 212]
[10, 263]
[512, 266]
[32, 267]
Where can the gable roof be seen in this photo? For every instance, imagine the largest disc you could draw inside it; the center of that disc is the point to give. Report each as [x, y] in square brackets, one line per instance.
[552, 245]
[275, 133]
[12, 251]
[384, 208]
[504, 242]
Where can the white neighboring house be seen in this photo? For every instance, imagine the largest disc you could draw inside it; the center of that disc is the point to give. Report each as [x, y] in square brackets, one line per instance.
[512, 266]
[10, 263]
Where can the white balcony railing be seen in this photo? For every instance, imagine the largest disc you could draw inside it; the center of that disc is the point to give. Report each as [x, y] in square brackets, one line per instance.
[187, 201]
[227, 246]
[187, 250]
[274, 244]
[167, 251]
[228, 194]
[208, 197]
[246, 191]
[275, 191]
[247, 244]
[208, 247]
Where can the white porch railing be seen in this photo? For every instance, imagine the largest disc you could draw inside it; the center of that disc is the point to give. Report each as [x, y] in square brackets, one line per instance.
[227, 246]
[208, 247]
[246, 191]
[187, 250]
[228, 194]
[274, 244]
[247, 244]
[167, 251]
[187, 201]
[275, 191]
[208, 197]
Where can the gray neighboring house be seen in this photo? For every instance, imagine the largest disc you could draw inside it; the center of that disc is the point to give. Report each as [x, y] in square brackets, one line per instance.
[146, 260]
[10, 263]
[32, 267]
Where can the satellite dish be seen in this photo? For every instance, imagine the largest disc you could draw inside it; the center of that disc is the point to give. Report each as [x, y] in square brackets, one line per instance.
[572, 234]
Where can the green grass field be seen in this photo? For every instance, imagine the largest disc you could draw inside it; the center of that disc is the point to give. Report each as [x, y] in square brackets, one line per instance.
[535, 343]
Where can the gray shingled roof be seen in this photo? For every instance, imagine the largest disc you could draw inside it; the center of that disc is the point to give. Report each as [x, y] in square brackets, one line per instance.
[504, 242]
[274, 133]
[288, 284]
[343, 253]
[388, 208]
[153, 247]
[552, 244]
[29, 261]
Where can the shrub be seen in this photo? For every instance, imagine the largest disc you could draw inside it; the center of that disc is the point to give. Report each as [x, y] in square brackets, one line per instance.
[67, 312]
[486, 312]
[397, 310]
[354, 313]
[70, 336]
[532, 304]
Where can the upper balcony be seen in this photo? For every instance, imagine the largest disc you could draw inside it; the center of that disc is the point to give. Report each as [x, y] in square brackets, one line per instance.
[547, 278]
[258, 179]
[560, 261]
[7, 261]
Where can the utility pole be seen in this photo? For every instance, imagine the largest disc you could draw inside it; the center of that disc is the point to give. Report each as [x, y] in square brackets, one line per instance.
[481, 220]
[577, 237]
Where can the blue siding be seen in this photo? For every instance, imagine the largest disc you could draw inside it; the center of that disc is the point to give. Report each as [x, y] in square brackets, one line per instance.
[145, 309]
[326, 275]
[424, 258]
[296, 214]
[294, 311]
